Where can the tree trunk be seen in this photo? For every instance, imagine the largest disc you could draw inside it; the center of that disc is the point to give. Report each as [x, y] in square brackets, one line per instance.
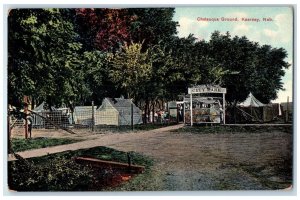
[32, 103]
[153, 111]
[146, 111]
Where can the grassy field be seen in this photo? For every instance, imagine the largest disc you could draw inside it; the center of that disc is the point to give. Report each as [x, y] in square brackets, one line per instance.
[19, 144]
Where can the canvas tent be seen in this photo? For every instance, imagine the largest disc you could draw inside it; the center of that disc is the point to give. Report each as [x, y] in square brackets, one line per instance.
[82, 115]
[253, 110]
[251, 101]
[59, 116]
[117, 111]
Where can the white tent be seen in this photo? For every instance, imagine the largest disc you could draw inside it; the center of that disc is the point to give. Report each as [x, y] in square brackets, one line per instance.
[117, 111]
[251, 101]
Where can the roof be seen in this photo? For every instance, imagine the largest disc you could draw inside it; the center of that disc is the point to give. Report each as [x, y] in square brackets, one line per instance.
[41, 107]
[120, 103]
[83, 109]
[251, 101]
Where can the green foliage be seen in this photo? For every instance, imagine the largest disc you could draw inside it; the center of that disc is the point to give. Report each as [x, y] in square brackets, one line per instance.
[19, 144]
[46, 62]
[59, 172]
[42, 55]
[53, 56]
[130, 69]
[251, 67]
[152, 25]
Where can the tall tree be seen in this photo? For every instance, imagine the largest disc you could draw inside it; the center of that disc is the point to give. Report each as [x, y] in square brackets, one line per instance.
[152, 25]
[43, 57]
[103, 29]
[253, 68]
[130, 69]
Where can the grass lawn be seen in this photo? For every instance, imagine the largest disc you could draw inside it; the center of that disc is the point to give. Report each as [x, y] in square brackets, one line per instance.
[59, 172]
[19, 144]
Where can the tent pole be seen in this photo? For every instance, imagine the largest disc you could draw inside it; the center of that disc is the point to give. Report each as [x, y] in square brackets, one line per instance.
[184, 111]
[93, 116]
[191, 108]
[287, 110]
[224, 108]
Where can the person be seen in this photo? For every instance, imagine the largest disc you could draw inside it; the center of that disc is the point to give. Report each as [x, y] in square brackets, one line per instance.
[29, 118]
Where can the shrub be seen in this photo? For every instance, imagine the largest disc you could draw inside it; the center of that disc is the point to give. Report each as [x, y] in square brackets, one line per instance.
[58, 174]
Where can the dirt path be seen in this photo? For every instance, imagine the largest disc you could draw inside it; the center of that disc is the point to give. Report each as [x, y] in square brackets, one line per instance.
[185, 161]
[95, 140]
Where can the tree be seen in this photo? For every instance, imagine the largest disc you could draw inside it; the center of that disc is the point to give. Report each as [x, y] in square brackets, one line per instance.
[252, 68]
[103, 29]
[44, 57]
[130, 69]
[266, 78]
[152, 25]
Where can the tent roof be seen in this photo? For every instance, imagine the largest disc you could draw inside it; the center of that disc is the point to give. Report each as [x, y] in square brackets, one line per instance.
[251, 101]
[121, 103]
[84, 109]
[42, 105]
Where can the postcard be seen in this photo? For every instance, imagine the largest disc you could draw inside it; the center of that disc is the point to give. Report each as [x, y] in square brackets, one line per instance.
[183, 98]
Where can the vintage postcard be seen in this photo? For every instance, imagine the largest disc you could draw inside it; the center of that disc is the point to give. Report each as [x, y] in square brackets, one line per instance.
[161, 98]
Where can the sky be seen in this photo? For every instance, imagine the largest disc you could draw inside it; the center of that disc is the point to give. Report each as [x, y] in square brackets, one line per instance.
[276, 31]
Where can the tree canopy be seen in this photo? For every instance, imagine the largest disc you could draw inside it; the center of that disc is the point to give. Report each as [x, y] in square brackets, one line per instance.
[74, 56]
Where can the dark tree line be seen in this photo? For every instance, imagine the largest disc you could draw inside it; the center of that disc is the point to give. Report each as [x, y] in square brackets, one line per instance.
[74, 56]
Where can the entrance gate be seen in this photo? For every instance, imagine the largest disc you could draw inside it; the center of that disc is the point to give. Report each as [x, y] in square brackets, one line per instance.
[206, 106]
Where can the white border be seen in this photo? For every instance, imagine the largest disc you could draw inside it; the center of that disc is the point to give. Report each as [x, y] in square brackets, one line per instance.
[124, 3]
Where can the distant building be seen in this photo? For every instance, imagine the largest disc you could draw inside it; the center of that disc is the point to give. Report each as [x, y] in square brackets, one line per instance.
[117, 111]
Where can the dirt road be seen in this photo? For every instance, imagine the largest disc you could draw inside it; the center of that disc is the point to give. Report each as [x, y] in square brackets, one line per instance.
[186, 161]
[243, 161]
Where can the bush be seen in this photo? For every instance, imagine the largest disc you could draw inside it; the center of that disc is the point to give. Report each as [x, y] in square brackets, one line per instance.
[58, 174]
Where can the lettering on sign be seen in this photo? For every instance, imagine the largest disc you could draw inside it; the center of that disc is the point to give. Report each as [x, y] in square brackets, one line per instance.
[208, 89]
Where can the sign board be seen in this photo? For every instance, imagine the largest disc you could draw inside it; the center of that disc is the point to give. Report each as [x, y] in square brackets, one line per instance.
[172, 104]
[173, 112]
[206, 89]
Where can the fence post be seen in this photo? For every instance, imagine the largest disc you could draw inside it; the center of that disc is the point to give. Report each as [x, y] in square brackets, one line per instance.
[287, 110]
[25, 118]
[131, 116]
[93, 116]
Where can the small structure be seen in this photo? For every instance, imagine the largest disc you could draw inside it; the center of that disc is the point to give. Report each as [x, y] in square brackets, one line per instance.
[117, 111]
[206, 106]
[82, 115]
[59, 116]
[172, 111]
